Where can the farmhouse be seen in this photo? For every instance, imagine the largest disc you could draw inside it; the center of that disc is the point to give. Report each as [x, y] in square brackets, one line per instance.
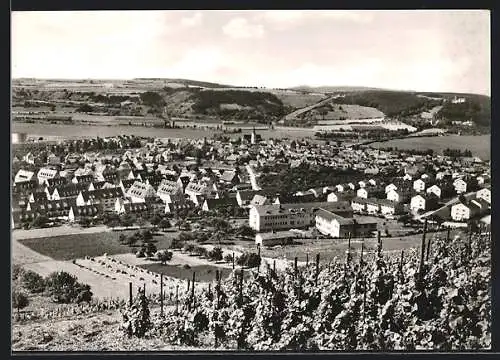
[244, 197]
[168, 190]
[175, 207]
[434, 189]
[484, 194]
[45, 174]
[77, 212]
[127, 207]
[65, 191]
[388, 207]
[461, 211]
[423, 202]
[329, 223]
[85, 179]
[140, 192]
[23, 175]
[214, 204]
[105, 197]
[275, 238]
[194, 189]
[460, 186]
[400, 196]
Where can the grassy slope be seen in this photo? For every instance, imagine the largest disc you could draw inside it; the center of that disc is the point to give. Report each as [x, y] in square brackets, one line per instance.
[96, 332]
[478, 145]
[68, 247]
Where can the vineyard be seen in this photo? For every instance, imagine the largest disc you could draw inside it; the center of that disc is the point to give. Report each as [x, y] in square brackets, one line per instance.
[434, 298]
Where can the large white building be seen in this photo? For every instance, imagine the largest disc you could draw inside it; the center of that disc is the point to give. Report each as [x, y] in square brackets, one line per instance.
[275, 217]
[289, 216]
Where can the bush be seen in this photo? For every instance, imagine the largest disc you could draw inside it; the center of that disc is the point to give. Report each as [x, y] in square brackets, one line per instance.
[215, 254]
[188, 248]
[136, 319]
[140, 253]
[64, 288]
[176, 243]
[163, 256]
[40, 221]
[83, 293]
[149, 249]
[201, 251]
[19, 300]
[228, 258]
[164, 224]
[17, 271]
[33, 282]
[250, 260]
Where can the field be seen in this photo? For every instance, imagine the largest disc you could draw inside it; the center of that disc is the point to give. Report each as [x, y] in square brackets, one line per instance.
[77, 246]
[204, 273]
[84, 131]
[329, 249]
[478, 145]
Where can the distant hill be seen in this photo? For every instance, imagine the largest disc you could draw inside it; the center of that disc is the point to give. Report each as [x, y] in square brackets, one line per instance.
[332, 89]
[297, 105]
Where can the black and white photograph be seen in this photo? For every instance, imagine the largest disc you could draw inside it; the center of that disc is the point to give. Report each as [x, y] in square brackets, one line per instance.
[250, 181]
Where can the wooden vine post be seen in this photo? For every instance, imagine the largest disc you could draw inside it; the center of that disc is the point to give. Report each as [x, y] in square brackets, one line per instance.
[176, 299]
[379, 244]
[161, 295]
[233, 260]
[130, 293]
[192, 288]
[422, 253]
[317, 269]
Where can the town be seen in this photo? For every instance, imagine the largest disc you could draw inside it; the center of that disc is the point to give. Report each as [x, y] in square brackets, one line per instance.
[128, 175]
[264, 180]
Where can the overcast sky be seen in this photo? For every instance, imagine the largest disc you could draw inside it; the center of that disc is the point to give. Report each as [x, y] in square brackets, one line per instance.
[409, 50]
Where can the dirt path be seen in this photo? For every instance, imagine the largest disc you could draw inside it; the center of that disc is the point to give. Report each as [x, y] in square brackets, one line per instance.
[21, 254]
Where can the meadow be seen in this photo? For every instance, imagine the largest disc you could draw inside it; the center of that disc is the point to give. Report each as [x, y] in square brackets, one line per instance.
[60, 131]
[77, 246]
[479, 145]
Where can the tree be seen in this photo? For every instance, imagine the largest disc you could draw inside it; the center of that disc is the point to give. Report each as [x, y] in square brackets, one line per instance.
[19, 300]
[156, 220]
[147, 236]
[250, 260]
[140, 253]
[85, 221]
[85, 108]
[215, 254]
[33, 282]
[40, 221]
[163, 256]
[83, 293]
[64, 288]
[122, 239]
[149, 249]
[164, 224]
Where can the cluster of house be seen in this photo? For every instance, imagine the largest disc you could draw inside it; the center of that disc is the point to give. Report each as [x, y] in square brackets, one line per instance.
[330, 209]
[87, 193]
[137, 180]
